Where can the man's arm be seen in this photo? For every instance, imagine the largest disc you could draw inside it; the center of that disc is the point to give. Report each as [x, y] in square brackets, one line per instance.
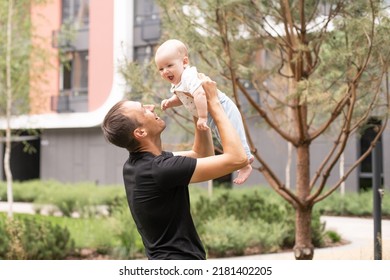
[233, 157]
[203, 144]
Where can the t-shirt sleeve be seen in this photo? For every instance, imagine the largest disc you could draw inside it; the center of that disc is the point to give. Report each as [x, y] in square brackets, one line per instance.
[190, 81]
[173, 171]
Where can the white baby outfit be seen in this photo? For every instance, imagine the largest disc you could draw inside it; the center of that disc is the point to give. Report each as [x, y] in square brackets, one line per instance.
[185, 90]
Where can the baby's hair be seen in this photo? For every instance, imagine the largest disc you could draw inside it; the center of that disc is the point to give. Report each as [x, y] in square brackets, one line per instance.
[179, 45]
[183, 50]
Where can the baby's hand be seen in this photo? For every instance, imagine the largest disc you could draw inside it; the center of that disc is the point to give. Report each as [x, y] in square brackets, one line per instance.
[165, 104]
[202, 124]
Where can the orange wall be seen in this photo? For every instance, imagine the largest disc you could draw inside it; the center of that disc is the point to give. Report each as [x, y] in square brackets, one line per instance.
[44, 84]
[46, 18]
[101, 48]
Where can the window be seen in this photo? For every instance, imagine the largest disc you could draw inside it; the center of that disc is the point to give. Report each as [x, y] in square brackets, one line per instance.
[76, 12]
[74, 76]
[145, 10]
[147, 21]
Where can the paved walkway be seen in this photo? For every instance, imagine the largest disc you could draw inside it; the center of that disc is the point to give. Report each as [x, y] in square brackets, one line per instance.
[18, 207]
[358, 231]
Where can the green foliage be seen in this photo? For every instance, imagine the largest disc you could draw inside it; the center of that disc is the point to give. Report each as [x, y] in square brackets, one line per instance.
[352, 204]
[44, 241]
[227, 235]
[34, 239]
[115, 236]
[251, 205]
[333, 236]
[93, 232]
[13, 231]
[230, 222]
[129, 240]
[81, 198]
[4, 238]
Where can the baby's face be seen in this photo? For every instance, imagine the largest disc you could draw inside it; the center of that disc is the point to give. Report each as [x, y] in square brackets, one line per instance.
[170, 66]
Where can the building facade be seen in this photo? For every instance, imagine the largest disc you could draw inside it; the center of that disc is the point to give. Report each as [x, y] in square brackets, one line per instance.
[70, 145]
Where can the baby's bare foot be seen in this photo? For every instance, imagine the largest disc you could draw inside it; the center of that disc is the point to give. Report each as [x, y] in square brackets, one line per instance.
[243, 174]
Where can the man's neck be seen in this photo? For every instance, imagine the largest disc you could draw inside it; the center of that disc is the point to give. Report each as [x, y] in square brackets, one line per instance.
[152, 148]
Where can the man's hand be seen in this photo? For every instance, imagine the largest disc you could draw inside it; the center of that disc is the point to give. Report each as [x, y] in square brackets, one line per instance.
[210, 88]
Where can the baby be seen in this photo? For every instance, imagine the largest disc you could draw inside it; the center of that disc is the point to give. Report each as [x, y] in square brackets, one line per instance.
[173, 64]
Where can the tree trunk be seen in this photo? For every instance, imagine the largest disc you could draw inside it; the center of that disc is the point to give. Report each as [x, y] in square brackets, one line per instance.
[8, 173]
[303, 249]
[7, 154]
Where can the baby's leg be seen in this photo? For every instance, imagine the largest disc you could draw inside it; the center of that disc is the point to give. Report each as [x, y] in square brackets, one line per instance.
[235, 118]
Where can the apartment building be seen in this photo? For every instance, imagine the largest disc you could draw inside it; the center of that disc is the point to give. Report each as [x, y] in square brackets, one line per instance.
[70, 146]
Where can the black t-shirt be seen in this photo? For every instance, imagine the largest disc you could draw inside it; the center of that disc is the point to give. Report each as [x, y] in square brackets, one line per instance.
[158, 197]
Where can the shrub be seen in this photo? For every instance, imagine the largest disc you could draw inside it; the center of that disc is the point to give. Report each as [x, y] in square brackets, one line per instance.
[226, 235]
[333, 236]
[4, 238]
[82, 198]
[37, 239]
[234, 222]
[352, 204]
[242, 207]
[44, 241]
[129, 244]
[12, 248]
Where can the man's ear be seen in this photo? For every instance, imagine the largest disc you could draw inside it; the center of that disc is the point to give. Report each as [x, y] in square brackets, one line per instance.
[139, 133]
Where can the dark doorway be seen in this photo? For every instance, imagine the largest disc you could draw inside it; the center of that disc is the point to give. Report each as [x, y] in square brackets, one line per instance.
[365, 169]
[25, 157]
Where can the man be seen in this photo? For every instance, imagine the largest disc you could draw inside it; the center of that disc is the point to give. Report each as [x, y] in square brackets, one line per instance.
[157, 181]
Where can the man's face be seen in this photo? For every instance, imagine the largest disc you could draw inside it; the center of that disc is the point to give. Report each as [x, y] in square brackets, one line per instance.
[146, 116]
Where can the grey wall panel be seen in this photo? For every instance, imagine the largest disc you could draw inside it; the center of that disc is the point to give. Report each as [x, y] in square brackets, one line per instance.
[75, 155]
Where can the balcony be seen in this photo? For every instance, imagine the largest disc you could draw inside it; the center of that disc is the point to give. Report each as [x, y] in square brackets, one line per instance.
[70, 101]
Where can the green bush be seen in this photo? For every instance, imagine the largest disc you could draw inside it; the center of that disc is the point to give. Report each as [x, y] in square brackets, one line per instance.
[230, 223]
[37, 239]
[4, 237]
[44, 241]
[352, 204]
[221, 240]
[243, 207]
[82, 198]
[92, 233]
[129, 244]
[333, 236]
[224, 236]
